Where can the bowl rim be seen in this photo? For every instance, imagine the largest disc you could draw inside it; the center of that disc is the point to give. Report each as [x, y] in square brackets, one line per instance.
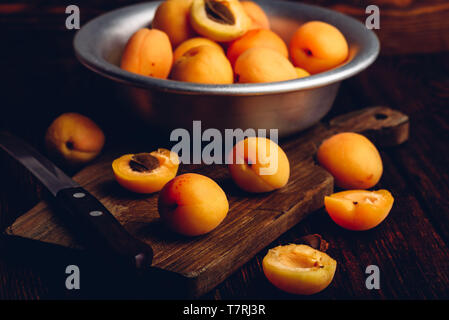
[86, 55]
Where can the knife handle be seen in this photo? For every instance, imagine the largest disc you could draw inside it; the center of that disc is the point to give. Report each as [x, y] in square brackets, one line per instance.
[99, 227]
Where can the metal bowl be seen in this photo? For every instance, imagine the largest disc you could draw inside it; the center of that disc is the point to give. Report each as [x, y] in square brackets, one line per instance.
[289, 106]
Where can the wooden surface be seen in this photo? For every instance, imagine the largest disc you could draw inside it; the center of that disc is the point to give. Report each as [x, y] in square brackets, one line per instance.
[253, 221]
[410, 246]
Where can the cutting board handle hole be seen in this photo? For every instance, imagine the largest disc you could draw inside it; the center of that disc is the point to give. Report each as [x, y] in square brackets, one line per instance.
[380, 116]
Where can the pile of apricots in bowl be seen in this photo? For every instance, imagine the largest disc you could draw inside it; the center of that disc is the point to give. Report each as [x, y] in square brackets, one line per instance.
[228, 41]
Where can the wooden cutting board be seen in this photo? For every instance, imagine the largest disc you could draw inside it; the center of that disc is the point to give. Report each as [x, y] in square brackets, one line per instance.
[253, 221]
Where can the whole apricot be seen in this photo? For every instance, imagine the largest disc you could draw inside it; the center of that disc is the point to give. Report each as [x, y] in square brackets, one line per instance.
[352, 159]
[192, 43]
[192, 204]
[299, 269]
[263, 65]
[259, 19]
[318, 46]
[146, 172]
[148, 52]
[219, 20]
[301, 73]
[258, 164]
[74, 138]
[203, 64]
[173, 17]
[359, 209]
[260, 38]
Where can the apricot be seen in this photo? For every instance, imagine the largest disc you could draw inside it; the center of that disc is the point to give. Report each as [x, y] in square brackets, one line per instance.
[263, 65]
[219, 20]
[359, 209]
[173, 17]
[318, 46]
[352, 159]
[192, 43]
[258, 164]
[192, 204]
[146, 172]
[301, 73]
[256, 38]
[299, 269]
[148, 52]
[203, 64]
[74, 138]
[259, 19]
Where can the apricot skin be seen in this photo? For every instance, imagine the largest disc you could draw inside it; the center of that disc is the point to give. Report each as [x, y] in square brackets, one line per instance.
[203, 64]
[149, 53]
[259, 19]
[74, 138]
[318, 46]
[192, 204]
[256, 38]
[146, 182]
[352, 159]
[192, 43]
[263, 65]
[248, 160]
[359, 209]
[301, 73]
[173, 17]
[299, 269]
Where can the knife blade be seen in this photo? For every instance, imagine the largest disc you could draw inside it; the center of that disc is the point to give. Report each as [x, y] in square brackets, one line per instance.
[93, 223]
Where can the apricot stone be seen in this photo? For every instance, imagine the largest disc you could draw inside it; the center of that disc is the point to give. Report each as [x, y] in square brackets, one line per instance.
[146, 172]
[259, 19]
[258, 164]
[263, 65]
[149, 53]
[299, 269]
[74, 138]
[192, 43]
[192, 204]
[203, 64]
[219, 20]
[260, 38]
[352, 159]
[318, 46]
[173, 17]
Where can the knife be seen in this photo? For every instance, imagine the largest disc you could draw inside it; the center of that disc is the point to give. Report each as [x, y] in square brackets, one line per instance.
[92, 222]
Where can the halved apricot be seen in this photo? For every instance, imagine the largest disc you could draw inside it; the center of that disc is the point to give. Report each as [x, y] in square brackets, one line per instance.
[299, 269]
[359, 209]
[146, 172]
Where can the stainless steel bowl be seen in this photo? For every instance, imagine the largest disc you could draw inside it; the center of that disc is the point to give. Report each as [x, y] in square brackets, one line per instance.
[289, 106]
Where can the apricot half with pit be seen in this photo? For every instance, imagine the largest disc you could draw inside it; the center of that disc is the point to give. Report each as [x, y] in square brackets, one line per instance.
[192, 204]
[352, 159]
[146, 172]
[359, 209]
[219, 20]
[299, 269]
[258, 164]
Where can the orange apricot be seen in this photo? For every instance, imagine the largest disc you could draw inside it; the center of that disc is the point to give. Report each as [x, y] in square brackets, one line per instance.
[256, 38]
[301, 73]
[192, 204]
[352, 159]
[192, 43]
[146, 172]
[318, 46]
[203, 64]
[299, 269]
[74, 138]
[359, 209]
[259, 19]
[258, 164]
[148, 52]
[173, 17]
[263, 65]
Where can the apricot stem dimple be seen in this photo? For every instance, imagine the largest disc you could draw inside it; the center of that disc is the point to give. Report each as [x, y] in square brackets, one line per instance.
[219, 12]
[143, 162]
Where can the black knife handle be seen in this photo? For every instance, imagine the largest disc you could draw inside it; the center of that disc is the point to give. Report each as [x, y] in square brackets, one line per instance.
[100, 229]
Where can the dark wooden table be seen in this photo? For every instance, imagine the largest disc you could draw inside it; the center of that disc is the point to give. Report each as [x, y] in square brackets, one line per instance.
[40, 78]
